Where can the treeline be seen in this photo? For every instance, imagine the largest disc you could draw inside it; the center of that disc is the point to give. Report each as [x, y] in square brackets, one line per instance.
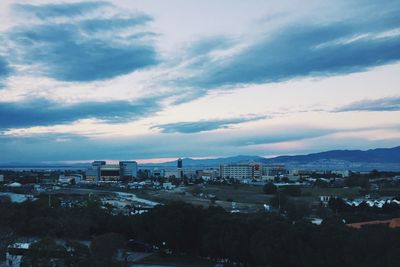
[247, 239]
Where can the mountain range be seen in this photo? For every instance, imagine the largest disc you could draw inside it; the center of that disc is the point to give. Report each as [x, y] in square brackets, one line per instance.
[358, 160]
[384, 159]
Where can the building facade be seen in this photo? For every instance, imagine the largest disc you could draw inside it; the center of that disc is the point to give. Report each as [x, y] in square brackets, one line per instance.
[251, 171]
[236, 171]
[101, 171]
[273, 169]
[129, 169]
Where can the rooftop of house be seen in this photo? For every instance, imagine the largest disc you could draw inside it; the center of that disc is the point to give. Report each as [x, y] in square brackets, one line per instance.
[393, 223]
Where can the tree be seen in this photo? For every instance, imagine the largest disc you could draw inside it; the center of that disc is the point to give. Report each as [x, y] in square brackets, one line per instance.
[79, 252]
[292, 190]
[269, 188]
[357, 180]
[337, 204]
[142, 175]
[196, 190]
[105, 246]
[321, 183]
[45, 252]
[297, 211]
[279, 200]
[7, 236]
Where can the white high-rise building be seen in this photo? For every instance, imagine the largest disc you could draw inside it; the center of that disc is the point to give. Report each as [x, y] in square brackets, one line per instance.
[250, 170]
[236, 171]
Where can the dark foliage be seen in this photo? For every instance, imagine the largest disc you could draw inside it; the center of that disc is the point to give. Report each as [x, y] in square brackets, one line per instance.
[258, 239]
[269, 188]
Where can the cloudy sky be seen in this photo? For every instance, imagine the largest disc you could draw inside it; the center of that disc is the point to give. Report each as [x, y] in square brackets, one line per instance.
[155, 79]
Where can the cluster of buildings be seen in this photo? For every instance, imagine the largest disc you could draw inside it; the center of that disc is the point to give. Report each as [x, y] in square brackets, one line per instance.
[126, 170]
[177, 172]
[101, 171]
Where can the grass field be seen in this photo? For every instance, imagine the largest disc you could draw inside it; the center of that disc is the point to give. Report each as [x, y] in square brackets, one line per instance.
[246, 197]
[340, 192]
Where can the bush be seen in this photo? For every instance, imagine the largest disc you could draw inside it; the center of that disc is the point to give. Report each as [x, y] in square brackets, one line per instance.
[269, 188]
[292, 190]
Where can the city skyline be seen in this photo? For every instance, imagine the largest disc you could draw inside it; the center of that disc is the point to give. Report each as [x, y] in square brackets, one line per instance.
[151, 80]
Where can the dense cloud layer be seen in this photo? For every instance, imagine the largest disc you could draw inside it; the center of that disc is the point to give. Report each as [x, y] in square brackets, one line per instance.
[41, 112]
[84, 49]
[370, 38]
[4, 69]
[93, 54]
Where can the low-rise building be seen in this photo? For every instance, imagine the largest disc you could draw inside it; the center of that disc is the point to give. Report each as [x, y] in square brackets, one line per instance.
[207, 175]
[70, 178]
[173, 173]
[168, 186]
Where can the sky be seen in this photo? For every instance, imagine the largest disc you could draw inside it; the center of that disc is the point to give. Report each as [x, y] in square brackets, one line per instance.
[152, 80]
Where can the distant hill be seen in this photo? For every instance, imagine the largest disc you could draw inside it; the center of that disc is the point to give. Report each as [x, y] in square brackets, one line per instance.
[379, 155]
[358, 160]
[189, 162]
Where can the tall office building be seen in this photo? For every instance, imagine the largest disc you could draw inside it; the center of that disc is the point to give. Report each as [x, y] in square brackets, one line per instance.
[180, 163]
[251, 170]
[236, 171]
[93, 173]
[128, 169]
[180, 168]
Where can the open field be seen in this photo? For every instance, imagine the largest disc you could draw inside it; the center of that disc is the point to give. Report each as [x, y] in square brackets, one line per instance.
[394, 191]
[246, 197]
[340, 192]
[242, 197]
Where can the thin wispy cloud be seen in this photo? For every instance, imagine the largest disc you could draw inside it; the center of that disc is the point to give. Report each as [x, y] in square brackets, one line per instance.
[291, 133]
[41, 112]
[64, 10]
[204, 126]
[382, 104]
